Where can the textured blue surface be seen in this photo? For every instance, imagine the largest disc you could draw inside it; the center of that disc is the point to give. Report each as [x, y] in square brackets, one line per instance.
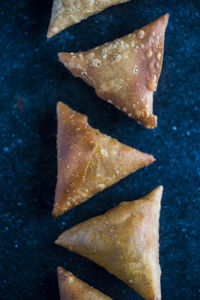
[32, 81]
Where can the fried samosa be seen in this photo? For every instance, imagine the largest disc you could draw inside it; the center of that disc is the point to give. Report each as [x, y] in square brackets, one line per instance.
[89, 161]
[124, 241]
[125, 72]
[72, 288]
[68, 12]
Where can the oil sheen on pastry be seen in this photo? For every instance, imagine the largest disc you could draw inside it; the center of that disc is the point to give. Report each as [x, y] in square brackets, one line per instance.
[68, 12]
[89, 161]
[124, 241]
[72, 288]
[125, 72]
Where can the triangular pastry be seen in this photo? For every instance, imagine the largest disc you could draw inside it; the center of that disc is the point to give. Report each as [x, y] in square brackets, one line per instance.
[124, 241]
[89, 161]
[125, 72]
[68, 12]
[72, 288]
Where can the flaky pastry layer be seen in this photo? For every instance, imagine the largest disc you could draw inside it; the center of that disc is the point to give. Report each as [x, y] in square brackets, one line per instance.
[89, 161]
[124, 241]
[125, 72]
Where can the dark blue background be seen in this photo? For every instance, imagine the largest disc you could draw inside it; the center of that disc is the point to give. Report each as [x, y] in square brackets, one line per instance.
[32, 81]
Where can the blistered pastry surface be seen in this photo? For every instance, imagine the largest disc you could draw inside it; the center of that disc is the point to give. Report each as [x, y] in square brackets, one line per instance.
[124, 241]
[125, 72]
[89, 161]
[68, 12]
[72, 288]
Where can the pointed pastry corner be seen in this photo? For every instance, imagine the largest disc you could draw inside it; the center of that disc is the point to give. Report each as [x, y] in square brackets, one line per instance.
[60, 270]
[64, 112]
[50, 32]
[64, 275]
[58, 21]
[62, 56]
[57, 211]
[156, 194]
[159, 192]
[161, 22]
[148, 159]
[59, 241]
[59, 207]
[54, 27]
[59, 104]
[150, 122]
[165, 19]
[143, 160]
[61, 273]
[66, 59]
[59, 107]
[71, 287]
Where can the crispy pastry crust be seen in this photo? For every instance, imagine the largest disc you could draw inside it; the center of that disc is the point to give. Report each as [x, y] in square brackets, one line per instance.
[89, 161]
[124, 241]
[75, 146]
[68, 12]
[125, 72]
[72, 288]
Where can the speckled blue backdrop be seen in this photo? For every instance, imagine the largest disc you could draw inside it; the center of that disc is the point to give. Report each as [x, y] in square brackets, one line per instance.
[31, 82]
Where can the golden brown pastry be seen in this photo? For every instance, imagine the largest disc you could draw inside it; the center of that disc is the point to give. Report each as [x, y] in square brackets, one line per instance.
[89, 161]
[124, 241]
[68, 12]
[72, 288]
[125, 72]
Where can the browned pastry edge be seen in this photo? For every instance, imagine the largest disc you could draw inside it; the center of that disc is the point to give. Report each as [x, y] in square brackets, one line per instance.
[75, 146]
[72, 288]
[64, 16]
[124, 241]
[89, 161]
[125, 72]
